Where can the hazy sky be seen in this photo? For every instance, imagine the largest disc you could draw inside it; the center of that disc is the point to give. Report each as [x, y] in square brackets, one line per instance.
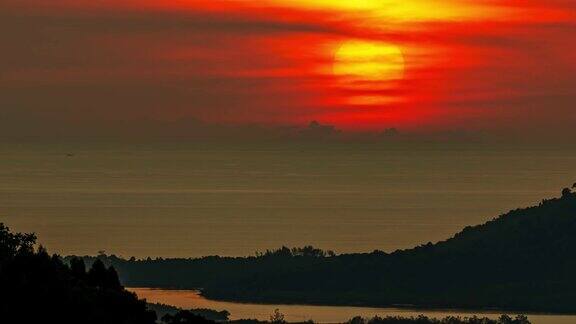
[180, 67]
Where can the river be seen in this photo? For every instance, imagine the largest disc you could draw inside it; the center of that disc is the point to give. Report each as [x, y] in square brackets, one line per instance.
[320, 314]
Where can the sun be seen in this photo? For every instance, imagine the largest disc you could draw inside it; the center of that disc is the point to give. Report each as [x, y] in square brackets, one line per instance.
[368, 62]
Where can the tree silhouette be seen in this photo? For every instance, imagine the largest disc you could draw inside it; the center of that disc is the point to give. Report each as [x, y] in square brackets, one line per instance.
[14, 244]
[277, 317]
[38, 288]
[504, 319]
[185, 317]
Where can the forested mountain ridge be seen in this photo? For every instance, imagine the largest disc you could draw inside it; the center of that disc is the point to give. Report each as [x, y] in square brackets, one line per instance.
[522, 260]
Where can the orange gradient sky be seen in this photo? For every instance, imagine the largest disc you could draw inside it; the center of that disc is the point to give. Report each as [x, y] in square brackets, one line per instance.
[126, 66]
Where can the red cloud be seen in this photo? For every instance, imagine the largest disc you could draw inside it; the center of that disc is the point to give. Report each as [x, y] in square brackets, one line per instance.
[235, 62]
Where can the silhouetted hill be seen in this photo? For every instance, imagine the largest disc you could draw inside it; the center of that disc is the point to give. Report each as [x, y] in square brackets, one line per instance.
[523, 260]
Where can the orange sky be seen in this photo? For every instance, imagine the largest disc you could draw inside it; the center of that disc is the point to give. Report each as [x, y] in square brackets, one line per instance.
[81, 66]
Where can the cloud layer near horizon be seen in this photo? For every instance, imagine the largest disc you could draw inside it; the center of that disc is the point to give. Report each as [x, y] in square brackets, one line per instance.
[78, 68]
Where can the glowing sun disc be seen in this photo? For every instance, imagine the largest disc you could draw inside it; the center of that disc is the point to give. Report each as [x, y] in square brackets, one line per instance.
[360, 61]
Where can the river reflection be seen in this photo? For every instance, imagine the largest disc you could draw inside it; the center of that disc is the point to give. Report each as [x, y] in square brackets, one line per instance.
[320, 314]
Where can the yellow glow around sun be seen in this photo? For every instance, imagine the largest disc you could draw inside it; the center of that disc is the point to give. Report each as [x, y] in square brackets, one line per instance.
[402, 10]
[361, 61]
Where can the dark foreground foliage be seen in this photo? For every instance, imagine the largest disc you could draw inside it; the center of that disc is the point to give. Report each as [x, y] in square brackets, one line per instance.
[186, 317]
[504, 319]
[38, 288]
[209, 314]
[524, 260]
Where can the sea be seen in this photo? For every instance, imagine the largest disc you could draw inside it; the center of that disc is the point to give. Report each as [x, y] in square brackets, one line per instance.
[195, 199]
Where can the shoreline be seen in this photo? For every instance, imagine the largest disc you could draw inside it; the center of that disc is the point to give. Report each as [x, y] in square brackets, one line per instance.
[398, 307]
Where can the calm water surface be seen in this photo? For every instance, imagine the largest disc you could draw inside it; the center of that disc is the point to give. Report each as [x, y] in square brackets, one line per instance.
[193, 200]
[321, 314]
